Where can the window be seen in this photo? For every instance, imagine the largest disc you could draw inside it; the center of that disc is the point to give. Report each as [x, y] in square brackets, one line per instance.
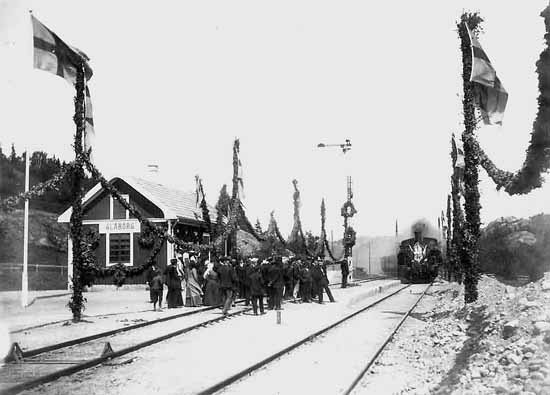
[119, 248]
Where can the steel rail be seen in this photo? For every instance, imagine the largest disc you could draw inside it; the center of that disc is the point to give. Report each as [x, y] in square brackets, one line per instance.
[84, 339]
[97, 361]
[385, 344]
[230, 380]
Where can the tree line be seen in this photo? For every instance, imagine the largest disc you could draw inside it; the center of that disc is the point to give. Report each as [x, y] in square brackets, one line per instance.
[42, 168]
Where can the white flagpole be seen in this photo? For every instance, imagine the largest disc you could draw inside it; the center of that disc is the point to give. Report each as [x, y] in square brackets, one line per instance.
[25, 275]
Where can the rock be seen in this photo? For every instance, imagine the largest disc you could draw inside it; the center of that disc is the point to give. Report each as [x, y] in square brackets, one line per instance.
[513, 358]
[475, 373]
[541, 327]
[537, 376]
[530, 348]
[501, 388]
[530, 304]
[523, 373]
[532, 386]
[545, 286]
[510, 329]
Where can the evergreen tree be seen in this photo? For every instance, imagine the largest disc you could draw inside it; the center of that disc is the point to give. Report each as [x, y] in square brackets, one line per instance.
[258, 227]
[222, 209]
[13, 155]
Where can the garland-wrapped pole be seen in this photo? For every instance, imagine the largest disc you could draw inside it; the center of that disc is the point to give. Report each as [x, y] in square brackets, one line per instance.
[469, 253]
[235, 196]
[320, 250]
[77, 301]
[448, 238]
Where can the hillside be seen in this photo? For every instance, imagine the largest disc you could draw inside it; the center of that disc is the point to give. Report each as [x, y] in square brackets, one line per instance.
[47, 250]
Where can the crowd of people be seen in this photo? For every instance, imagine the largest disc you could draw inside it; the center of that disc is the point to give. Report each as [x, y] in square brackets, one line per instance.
[192, 282]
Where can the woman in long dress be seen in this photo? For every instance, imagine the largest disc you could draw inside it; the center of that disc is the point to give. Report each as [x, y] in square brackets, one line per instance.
[192, 290]
[173, 282]
[212, 295]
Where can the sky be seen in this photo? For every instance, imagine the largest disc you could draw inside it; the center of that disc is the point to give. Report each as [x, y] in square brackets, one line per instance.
[176, 81]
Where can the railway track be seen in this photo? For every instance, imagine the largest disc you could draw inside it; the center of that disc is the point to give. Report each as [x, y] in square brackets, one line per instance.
[47, 364]
[27, 369]
[73, 342]
[340, 366]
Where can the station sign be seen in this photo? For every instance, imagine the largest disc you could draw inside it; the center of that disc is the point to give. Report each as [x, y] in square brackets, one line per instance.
[120, 226]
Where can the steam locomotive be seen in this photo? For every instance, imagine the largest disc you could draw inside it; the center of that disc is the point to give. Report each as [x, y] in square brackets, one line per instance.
[418, 259]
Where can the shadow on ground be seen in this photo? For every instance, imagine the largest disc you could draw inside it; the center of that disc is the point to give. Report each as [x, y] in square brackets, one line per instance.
[477, 321]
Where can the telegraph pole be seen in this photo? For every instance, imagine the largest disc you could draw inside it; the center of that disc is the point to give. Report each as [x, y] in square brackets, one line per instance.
[369, 257]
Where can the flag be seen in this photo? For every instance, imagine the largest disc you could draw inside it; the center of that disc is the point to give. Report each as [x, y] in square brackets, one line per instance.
[490, 95]
[89, 134]
[55, 56]
[199, 192]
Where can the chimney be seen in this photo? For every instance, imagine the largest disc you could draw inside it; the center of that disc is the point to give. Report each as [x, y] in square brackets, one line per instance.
[153, 172]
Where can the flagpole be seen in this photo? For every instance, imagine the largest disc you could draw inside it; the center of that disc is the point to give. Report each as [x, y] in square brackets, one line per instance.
[25, 274]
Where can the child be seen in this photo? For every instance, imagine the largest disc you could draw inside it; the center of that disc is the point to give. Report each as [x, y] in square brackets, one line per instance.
[156, 285]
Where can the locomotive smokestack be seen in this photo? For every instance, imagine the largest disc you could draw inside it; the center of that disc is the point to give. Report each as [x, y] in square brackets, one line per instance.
[417, 235]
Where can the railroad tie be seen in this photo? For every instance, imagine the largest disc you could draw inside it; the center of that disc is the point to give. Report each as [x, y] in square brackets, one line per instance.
[107, 349]
[15, 354]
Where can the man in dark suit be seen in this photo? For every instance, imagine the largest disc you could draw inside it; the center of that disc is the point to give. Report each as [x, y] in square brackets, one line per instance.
[257, 290]
[345, 272]
[228, 281]
[276, 282]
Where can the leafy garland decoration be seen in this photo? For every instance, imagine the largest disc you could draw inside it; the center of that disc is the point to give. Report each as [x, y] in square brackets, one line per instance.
[297, 240]
[348, 209]
[273, 229]
[146, 239]
[92, 238]
[120, 272]
[38, 190]
[156, 229]
[537, 160]
[350, 237]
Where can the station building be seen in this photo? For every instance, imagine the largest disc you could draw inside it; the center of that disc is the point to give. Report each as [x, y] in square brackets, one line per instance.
[119, 233]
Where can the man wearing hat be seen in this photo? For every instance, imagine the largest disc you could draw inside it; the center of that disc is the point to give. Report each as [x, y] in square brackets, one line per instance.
[276, 282]
[228, 280]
